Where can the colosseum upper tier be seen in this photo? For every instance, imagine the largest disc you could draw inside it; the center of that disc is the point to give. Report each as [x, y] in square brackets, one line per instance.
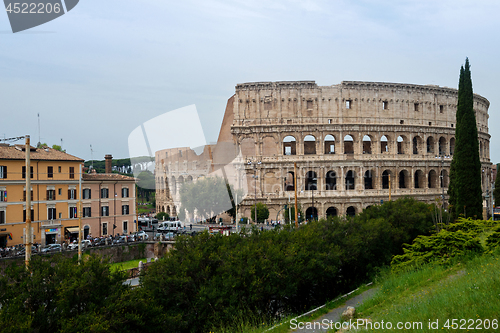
[354, 144]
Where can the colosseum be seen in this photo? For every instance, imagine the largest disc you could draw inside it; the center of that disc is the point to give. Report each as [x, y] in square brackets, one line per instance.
[355, 144]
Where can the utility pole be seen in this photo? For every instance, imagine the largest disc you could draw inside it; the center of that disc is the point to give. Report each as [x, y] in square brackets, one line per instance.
[28, 240]
[389, 187]
[80, 217]
[295, 190]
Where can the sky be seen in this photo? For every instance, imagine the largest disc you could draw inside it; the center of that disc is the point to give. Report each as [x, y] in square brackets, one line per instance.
[108, 66]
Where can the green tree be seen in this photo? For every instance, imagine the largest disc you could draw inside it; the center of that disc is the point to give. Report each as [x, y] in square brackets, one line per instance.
[496, 191]
[262, 212]
[289, 219]
[465, 172]
[57, 147]
[162, 216]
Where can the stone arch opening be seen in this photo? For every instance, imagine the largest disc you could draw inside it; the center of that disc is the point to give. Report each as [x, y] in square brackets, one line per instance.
[401, 145]
[444, 178]
[290, 181]
[329, 144]
[348, 144]
[311, 181]
[331, 180]
[351, 211]
[385, 179]
[367, 145]
[452, 146]
[349, 180]
[442, 146]
[404, 179]
[417, 142]
[419, 179]
[331, 212]
[312, 213]
[289, 145]
[430, 145]
[384, 144]
[432, 179]
[309, 145]
[368, 180]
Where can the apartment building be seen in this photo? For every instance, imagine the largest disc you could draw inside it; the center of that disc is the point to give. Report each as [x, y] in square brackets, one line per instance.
[54, 194]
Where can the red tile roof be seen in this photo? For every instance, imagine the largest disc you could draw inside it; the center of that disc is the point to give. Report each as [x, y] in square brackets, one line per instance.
[17, 152]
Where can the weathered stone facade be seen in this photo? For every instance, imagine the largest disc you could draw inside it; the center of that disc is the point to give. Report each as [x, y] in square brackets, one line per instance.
[351, 142]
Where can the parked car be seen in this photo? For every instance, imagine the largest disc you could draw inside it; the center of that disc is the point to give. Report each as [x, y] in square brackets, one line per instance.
[142, 234]
[120, 239]
[52, 248]
[74, 244]
[22, 252]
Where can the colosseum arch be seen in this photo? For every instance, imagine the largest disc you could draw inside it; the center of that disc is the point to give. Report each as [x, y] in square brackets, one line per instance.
[430, 145]
[350, 180]
[309, 145]
[368, 179]
[443, 178]
[289, 181]
[331, 212]
[432, 179]
[348, 144]
[329, 144]
[312, 213]
[404, 179]
[331, 180]
[417, 145]
[384, 144]
[269, 147]
[419, 179]
[247, 147]
[311, 181]
[402, 143]
[351, 211]
[289, 145]
[385, 178]
[442, 146]
[367, 144]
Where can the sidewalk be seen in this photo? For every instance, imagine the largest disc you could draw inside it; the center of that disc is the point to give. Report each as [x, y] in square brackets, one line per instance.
[334, 315]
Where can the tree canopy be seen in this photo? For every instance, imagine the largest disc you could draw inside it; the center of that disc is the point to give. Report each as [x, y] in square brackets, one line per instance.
[465, 193]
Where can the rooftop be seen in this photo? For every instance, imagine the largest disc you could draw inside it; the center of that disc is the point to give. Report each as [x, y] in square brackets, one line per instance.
[18, 152]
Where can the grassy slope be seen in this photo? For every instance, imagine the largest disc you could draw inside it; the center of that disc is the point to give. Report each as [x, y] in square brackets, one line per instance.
[464, 291]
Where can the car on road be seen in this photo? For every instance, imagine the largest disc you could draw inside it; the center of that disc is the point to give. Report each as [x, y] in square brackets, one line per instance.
[74, 244]
[52, 248]
[142, 235]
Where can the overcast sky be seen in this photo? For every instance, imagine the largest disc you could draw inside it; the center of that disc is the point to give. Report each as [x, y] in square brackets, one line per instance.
[108, 66]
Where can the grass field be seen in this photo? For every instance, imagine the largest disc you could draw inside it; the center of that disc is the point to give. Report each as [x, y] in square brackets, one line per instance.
[122, 266]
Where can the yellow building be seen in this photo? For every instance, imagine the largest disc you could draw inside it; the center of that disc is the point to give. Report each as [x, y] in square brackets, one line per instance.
[54, 194]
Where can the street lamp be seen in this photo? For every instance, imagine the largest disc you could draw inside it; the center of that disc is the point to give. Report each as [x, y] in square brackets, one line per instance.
[255, 163]
[441, 176]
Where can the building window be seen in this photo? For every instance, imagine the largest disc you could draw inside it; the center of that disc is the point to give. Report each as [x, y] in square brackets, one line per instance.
[59, 169]
[32, 215]
[401, 122]
[104, 193]
[125, 227]
[415, 106]
[125, 210]
[71, 194]
[385, 105]
[50, 172]
[60, 191]
[441, 108]
[104, 211]
[51, 194]
[348, 104]
[86, 193]
[24, 172]
[24, 195]
[125, 192]
[3, 171]
[309, 105]
[72, 213]
[51, 214]
[3, 196]
[87, 212]
[2, 217]
[60, 215]
[105, 228]
[72, 172]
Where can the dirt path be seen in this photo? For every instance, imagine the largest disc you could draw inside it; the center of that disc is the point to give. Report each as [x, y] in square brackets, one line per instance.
[334, 315]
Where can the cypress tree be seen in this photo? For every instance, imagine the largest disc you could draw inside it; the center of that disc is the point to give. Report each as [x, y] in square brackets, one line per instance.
[465, 173]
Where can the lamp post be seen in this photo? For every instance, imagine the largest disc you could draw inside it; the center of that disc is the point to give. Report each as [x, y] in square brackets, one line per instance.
[441, 176]
[254, 164]
[313, 186]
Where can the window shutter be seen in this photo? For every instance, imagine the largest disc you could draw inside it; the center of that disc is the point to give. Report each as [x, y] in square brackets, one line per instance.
[69, 194]
[5, 172]
[47, 194]
[31, 195]
[24, 195]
